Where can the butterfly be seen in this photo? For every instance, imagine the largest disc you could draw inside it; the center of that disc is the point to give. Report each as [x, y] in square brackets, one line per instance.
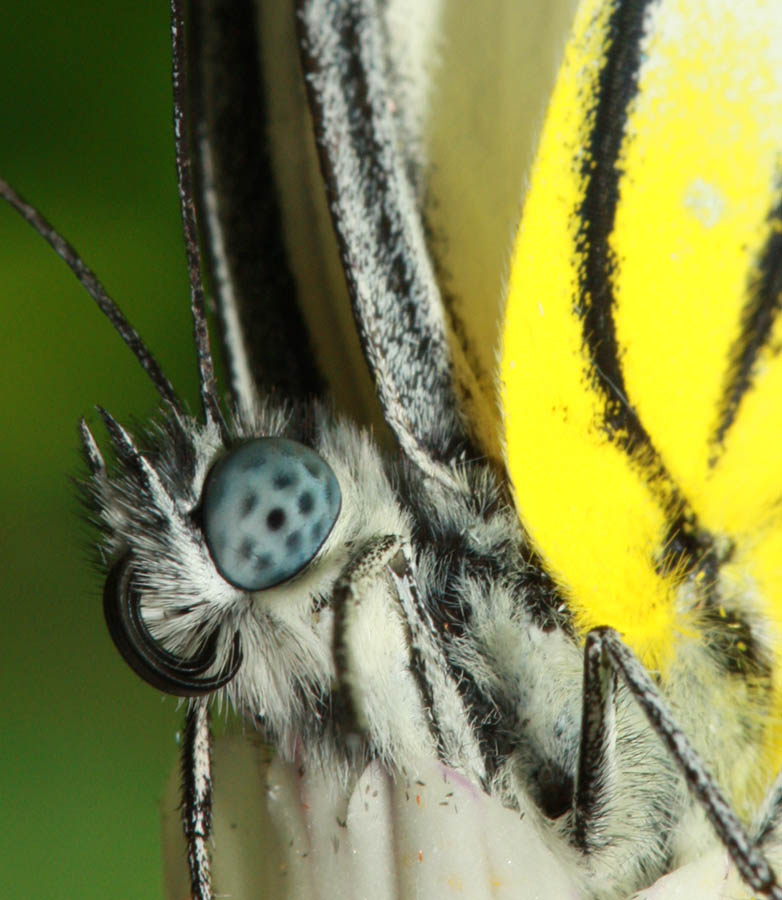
[484, 656]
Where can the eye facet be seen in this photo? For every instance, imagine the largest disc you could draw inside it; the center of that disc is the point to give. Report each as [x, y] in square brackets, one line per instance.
[268, 507]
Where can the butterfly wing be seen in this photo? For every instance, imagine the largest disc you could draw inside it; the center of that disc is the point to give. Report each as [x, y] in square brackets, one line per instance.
[376, 340]
[264, 336]
[448, 837]
[466, 171]
[640, 365]
[491, 70]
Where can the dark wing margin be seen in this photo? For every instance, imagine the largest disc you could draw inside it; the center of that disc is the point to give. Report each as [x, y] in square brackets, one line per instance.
[761, 309]
[265, 342]
[395, 296]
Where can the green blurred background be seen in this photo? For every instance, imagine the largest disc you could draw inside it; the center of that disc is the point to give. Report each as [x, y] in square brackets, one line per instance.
[86, 135]
[86, 748]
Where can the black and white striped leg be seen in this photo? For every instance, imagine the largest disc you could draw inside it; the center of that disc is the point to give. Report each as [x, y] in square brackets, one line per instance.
[449, 724]
[596, 778]
[197, 797]
[456, 740]
[750, 862]
[365, 568]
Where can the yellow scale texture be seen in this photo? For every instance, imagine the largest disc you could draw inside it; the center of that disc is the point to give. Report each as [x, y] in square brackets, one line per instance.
[699, 181]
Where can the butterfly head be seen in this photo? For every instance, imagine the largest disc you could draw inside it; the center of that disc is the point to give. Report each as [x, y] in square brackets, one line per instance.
[208, 540]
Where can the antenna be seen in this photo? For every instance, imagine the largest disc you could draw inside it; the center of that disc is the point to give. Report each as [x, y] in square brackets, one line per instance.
[209, 396]
[96, 290]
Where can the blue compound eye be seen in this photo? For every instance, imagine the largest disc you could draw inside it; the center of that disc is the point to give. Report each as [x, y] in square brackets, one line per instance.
[268, 507]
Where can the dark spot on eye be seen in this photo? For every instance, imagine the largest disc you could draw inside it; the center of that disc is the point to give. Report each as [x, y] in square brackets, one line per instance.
[312, 467]
[263, 562]
[258, 538]
[276, 519]
[249, 502]
[246, 549]
[284, 480]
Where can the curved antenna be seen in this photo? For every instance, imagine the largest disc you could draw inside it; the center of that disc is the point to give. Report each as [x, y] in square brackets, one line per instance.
[178, 675]
[95, 289]
[206, 375]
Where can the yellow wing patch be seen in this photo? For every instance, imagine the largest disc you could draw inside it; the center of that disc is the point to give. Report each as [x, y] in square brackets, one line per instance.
[641, 371]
